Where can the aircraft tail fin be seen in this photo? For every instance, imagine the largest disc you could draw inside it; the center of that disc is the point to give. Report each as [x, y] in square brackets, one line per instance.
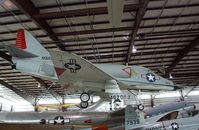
[29, 56]
[133, 120]
[27, 46]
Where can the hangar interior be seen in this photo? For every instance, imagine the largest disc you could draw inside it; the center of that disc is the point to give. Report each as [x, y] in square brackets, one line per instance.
[162, 35]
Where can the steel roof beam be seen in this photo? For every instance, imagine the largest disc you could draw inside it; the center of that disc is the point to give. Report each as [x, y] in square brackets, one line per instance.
[182, 54]
[100, 10]
[122, 55]
[121, 46]
[94, 23]
[18, 12]
[139, 15]
[144, 53]
[107, 22]
[94, 31]
[110, 29]
[174, 32]
[186, 74]
[173, 7]
[83, 32]
[116, 36]
[5, 56]
[15, 31]
[166, 64]
[85, 12]
[15, 22]
[25, 95]
[127, 41]
[28, 8]
[5, 64]
[46, 87]
[123, 21]
[73, 4]
[8, 14]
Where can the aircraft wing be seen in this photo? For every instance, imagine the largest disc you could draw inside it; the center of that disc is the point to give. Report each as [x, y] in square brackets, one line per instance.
[73, 70]
[136, 77]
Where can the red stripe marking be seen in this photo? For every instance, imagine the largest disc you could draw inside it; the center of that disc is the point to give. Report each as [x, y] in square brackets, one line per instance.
[100, 127]
[127, 70]
[59, 71]
[20, 41]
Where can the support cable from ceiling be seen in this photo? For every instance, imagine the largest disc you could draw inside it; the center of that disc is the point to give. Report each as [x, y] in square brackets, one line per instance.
[154, 26]
[173, 25]
[93, 42]
[139, 15]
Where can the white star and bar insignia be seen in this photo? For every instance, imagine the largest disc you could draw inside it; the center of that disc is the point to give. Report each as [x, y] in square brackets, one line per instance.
[175, 126]
[61, 120]
[150, 77]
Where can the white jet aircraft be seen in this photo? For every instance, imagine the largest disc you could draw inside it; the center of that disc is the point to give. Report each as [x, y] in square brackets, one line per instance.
[134, 120]
[73, 72]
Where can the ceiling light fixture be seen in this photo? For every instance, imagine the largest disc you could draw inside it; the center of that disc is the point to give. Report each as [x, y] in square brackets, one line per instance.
[134, 50]
[39, 85]
[170, 76]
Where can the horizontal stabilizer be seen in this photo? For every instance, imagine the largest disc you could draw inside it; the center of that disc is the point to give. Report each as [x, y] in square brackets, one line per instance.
[19, 52]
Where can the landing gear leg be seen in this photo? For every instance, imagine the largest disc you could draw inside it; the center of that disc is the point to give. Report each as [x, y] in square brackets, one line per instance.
[140, 106]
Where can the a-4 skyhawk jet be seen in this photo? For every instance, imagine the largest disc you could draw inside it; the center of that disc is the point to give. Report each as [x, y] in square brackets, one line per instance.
[76, 73]
[173, 120]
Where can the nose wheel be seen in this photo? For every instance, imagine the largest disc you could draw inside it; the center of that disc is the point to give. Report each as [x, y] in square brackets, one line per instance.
[84, 104]
[140, 107]
[84, 97]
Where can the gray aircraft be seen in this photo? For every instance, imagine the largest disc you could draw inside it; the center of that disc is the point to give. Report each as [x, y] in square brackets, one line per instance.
[75, 73]
[129, 117]
[94, 119]
[134, 120]
[163, 108]
[82, 117]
